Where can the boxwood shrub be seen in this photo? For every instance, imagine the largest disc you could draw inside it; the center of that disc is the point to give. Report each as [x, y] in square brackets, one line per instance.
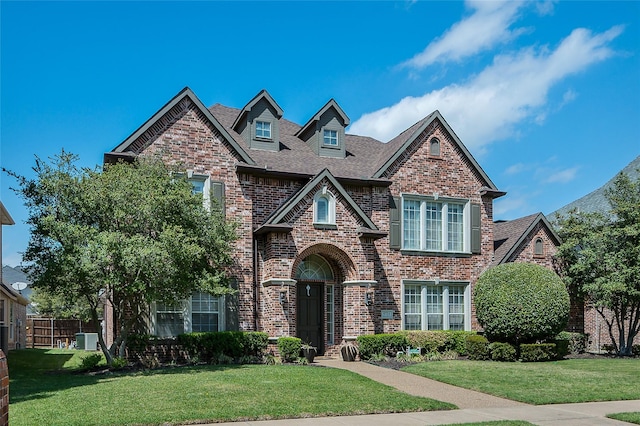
[208, 346]
[503, 352]
[478, 347]
[289, 348]
[439, 340]
[536, 352]
[577, 341]
[387, 344]
[521, 302]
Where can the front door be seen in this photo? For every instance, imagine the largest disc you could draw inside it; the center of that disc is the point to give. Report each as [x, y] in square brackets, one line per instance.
[309, 314]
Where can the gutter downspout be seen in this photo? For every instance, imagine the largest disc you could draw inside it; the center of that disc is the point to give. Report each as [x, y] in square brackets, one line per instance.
[256, 293]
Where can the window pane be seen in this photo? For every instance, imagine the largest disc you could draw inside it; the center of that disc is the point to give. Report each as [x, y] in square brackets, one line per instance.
[330, 315]
[263, 129]
[197, 186]
[456, 308]
[411, 224]
[205, 312]
[331, 137]
[169, 324]
[433, 226]
[322, 210]
[455, 227]
[412, 308]
[433, 307]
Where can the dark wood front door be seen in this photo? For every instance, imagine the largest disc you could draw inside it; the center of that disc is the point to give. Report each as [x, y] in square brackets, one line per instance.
[310, 314]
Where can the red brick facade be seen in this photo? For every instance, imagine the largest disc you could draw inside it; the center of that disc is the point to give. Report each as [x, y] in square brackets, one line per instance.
[266, 264]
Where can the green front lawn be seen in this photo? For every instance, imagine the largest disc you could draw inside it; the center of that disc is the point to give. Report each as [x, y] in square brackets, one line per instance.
[188, 394]
[633, 417]
[566, 381]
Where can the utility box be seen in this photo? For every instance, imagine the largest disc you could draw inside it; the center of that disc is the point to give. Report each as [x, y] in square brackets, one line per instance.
[87, 341]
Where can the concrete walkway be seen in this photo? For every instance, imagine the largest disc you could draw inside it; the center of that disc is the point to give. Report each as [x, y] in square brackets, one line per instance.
[474, 406]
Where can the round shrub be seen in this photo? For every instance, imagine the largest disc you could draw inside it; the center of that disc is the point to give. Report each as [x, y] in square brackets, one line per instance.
[521, 302]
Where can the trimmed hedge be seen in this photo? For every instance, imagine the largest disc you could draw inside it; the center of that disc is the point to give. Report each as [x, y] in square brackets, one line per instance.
[289, 348]
[478, 348]
[387, 344]
[577, 341]
[207, 346]
[438, 340]
[521, 302]
[537, 352]
[503, 352]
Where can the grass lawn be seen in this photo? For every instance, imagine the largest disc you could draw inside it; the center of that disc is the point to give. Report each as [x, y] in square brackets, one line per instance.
[627, 417]
[39, 395]
[566, 381]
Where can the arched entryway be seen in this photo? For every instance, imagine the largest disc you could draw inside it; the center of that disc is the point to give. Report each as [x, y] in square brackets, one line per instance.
[313, 274]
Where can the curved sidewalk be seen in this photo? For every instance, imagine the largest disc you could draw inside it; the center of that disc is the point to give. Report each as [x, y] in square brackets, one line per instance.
[474, 406]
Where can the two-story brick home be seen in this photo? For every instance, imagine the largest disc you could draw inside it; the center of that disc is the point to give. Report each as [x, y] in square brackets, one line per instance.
[339, 235]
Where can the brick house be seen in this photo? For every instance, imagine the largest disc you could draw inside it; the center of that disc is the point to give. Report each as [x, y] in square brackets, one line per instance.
[532, 239]
[339, 235]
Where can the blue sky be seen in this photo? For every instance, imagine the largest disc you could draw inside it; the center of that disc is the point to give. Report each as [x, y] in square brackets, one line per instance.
[546, 95]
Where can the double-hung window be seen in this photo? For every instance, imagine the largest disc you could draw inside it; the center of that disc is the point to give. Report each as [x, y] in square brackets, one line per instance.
[435, 305]
[263, 129]
[200, 312]
[435, 225]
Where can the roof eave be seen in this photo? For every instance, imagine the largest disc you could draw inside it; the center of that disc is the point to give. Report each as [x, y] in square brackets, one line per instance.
[186, 92]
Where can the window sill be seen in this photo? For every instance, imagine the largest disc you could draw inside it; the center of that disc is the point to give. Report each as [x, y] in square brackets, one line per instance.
[435, 253]
[263, 139]
[325, 226]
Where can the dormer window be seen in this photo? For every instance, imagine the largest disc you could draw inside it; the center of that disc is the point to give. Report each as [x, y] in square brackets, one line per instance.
[538, 249]
[331, 137]
[263, 129]
[324, 208]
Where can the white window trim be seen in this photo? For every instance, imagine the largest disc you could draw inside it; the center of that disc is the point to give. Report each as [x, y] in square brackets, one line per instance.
[337, 138]
[466, 225]
[186, 310]
[270, 137]
[445, 296]
[331, 322]
[206, 188]
[331, 201]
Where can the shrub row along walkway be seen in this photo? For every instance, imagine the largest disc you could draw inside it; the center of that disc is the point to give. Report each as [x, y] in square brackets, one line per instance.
[475, 406]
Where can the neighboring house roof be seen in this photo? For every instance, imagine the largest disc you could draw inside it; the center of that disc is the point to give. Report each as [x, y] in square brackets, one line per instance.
[12, 294]
[276, 220]
[12, 275]
[509, 235]
[184, 93]
[596, 201]
[5, 217]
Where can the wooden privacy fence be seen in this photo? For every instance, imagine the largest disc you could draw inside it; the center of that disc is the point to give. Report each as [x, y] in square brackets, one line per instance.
[55, 333]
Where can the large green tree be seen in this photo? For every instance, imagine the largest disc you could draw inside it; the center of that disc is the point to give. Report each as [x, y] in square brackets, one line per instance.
[599, 259]
[125, 236]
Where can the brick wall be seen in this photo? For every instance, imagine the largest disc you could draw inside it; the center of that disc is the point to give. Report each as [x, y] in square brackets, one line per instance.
[185, 137]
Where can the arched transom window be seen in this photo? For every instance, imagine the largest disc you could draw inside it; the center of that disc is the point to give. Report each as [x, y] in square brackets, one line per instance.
[324, 207]
[314, 268]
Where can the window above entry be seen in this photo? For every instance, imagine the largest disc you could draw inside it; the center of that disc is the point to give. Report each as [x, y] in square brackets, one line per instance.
[324, 208]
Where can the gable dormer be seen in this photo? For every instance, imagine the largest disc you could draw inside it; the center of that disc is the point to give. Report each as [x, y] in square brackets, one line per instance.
[259, 122]
[325, 131]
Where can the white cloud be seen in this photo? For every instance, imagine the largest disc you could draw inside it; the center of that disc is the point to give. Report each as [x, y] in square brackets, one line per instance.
[485, 28]
[515, 169]
[487, 107]
[562, 176]
[514, 204]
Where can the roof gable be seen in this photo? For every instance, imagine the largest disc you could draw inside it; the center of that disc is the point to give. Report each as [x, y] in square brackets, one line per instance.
[184, 93]
[404, 140]
[278, 216]
[253, 102]
[331, 104]
[509, 236]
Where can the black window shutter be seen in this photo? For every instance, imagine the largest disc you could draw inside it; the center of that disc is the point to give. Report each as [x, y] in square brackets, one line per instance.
[394, 222]
[217, 196]
[476, 222]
